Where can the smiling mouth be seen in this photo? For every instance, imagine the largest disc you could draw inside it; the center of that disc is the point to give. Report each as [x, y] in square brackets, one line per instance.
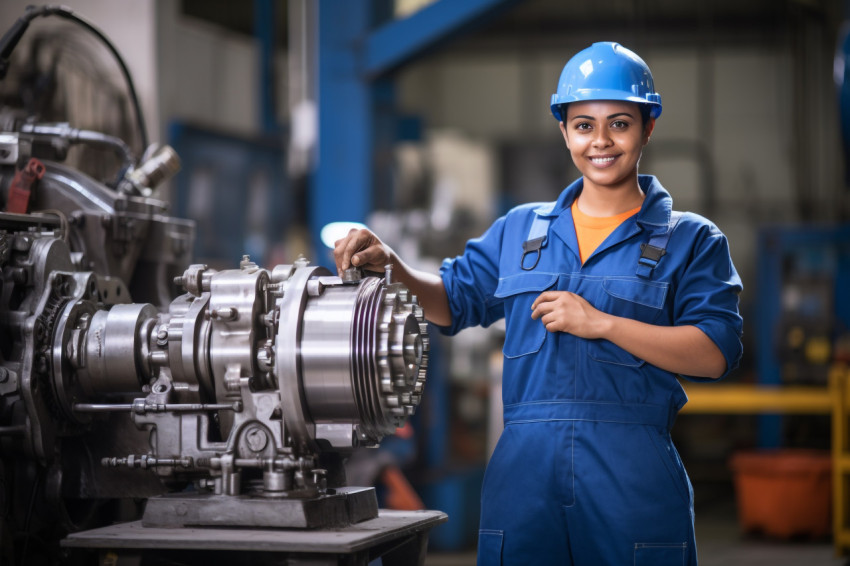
[602, 160]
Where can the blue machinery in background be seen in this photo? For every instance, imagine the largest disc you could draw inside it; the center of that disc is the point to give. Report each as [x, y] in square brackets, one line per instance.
[231, 222]
[802, 310]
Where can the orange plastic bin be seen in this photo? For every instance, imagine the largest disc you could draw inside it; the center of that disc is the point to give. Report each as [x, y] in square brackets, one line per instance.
[784, 493]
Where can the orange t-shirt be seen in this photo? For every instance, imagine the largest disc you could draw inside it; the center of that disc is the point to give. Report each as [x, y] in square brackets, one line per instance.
[592, 230]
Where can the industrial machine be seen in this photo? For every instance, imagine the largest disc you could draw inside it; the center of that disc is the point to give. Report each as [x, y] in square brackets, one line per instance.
[131, 378]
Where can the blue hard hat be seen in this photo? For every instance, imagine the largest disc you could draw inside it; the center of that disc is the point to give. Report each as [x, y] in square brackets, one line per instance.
[606, 71]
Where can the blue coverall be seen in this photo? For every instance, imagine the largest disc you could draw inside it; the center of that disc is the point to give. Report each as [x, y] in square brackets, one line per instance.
[585, 472]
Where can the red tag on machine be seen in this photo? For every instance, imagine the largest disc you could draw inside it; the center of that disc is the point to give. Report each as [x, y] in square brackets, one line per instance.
[21, 188]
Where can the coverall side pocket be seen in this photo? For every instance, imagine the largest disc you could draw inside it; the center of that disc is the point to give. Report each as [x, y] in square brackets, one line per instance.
[523, 334]
[660, 554]
[677, 473]
[490, 547]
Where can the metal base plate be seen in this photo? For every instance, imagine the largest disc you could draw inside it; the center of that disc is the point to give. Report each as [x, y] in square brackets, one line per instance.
[389, 525]
[347, 506]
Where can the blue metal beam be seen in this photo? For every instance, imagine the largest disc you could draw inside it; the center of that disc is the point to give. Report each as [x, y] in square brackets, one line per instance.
[342, 186]
[353, 74]
[400, 40]
[264, 30]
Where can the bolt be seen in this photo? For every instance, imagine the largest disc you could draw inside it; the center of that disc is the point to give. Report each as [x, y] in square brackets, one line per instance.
[275, 289]
[256, 439]
[320, 479]
[23, 243]
[269, 318]
[352, 275]
[246, 264]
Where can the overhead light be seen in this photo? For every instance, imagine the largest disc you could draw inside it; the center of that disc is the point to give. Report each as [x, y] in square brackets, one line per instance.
[337, 230]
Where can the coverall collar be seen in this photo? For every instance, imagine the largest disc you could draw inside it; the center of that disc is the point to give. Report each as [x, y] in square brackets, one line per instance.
[654, 212]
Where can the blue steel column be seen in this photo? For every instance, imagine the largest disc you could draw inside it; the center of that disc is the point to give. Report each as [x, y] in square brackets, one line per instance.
[265, 20]
[343, 180]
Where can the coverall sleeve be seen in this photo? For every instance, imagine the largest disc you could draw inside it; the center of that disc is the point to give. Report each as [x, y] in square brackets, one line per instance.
[707, 295]
[471, 280]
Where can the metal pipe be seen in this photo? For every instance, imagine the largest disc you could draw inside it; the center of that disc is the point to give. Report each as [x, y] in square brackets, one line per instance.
[155, 408]
[76, 135]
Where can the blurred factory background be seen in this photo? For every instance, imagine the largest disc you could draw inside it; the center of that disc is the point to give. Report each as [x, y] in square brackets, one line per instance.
[428, 119]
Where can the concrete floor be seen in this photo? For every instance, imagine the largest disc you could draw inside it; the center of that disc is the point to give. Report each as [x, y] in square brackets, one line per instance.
[720, 543]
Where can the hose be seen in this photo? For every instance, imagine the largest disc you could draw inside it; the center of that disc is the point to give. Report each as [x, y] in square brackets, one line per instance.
[11, 38]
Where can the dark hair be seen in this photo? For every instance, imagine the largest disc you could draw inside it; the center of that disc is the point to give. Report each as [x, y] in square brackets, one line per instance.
[645, 110]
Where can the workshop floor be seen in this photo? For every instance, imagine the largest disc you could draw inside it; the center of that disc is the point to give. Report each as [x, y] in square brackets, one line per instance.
[720, 543]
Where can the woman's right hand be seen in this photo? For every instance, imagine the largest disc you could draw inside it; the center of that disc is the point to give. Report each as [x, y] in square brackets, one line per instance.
[361, 248]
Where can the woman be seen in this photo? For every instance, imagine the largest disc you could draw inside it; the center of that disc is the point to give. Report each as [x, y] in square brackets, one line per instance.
[607, 294]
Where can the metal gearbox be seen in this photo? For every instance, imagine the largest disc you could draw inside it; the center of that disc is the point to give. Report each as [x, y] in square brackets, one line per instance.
[238, 398]
[251, 376]
[242, 387]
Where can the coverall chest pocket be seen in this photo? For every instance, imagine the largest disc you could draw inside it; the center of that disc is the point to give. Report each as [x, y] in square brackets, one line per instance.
[632, 297]
[523, 334]
[628, 297]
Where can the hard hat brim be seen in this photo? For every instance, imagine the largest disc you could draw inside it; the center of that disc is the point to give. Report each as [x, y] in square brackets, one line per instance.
[587, 95]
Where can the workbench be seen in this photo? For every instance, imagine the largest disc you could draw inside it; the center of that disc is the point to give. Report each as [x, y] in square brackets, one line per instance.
[399, 538]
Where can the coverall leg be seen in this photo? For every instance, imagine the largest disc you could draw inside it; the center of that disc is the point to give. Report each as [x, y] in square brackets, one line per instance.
[586, 493]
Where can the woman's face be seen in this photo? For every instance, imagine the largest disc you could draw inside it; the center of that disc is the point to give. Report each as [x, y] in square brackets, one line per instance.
[605, 139]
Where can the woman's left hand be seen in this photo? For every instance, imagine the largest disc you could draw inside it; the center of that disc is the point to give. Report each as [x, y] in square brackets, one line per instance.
[562, 311]
[687, 349]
